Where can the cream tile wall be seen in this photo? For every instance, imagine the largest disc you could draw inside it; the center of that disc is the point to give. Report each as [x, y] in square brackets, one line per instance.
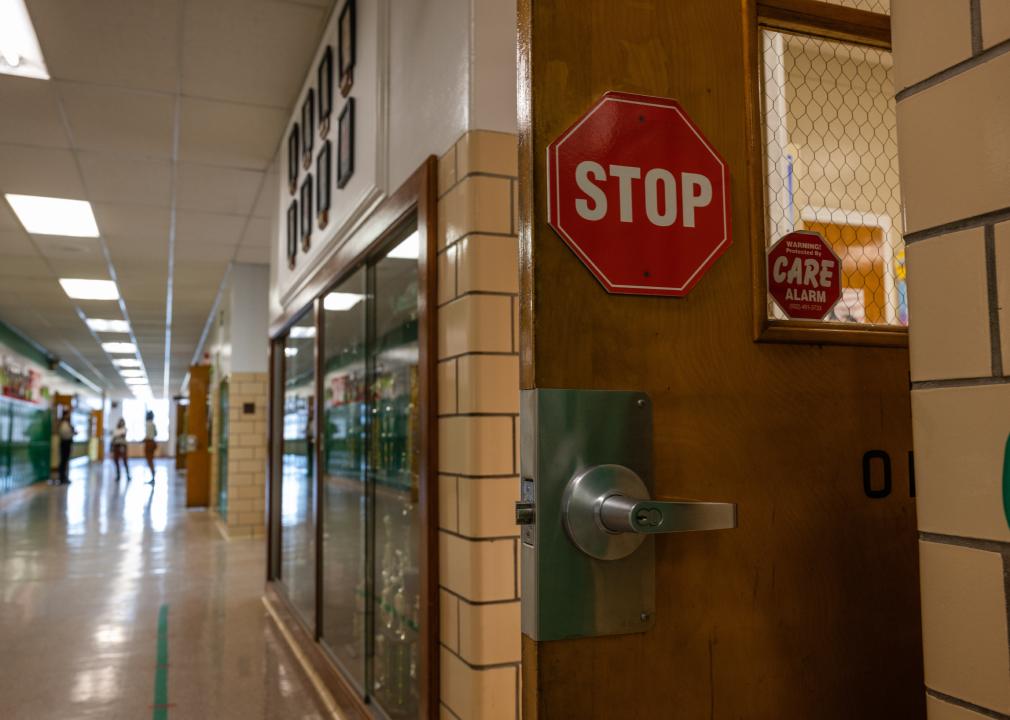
[247, 459]
[478, 404]
[953, 100]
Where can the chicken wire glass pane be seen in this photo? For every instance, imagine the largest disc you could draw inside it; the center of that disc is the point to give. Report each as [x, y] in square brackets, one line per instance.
[832, 166]
[877, 6]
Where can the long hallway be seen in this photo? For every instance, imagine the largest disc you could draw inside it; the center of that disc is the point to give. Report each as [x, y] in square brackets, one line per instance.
[117, 602]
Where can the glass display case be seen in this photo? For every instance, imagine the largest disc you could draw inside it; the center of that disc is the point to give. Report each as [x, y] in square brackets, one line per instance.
[370, 479]
[297, 498]
[353, 518]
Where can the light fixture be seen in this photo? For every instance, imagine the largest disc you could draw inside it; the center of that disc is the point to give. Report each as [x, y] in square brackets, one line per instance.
[303, 332]
[132, 373]
[54, 216]
[340, 301]
[117, 326]
[126, 362]
[84, 289]
[119, 348]
[290, 352]
[20, 53]
[409, 249]
[135, 381]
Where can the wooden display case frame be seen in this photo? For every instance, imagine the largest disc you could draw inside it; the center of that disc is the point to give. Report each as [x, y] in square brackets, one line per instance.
[417, 196]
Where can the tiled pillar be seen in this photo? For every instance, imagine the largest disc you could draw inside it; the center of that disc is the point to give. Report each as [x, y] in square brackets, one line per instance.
[478, 408]
[951, 69]
[247, 454]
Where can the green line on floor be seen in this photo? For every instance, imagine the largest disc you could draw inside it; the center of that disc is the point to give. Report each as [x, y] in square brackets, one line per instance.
[161, 671]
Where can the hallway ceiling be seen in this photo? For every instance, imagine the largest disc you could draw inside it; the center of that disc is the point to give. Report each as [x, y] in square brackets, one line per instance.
[166, 116]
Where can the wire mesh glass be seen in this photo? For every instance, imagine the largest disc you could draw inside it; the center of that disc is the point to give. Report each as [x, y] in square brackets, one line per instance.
[832, 166]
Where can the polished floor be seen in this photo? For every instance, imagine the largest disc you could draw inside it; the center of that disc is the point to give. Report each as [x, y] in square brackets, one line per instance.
[117, 602]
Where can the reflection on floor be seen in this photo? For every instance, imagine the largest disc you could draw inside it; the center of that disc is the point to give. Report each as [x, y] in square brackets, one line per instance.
[85, 571]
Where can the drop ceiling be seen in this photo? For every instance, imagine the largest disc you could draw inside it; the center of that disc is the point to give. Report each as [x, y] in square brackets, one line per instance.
[165, 115]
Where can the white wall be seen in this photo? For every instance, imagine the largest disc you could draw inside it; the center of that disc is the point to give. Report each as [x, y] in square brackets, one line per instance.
[250, 285]
[427, 71]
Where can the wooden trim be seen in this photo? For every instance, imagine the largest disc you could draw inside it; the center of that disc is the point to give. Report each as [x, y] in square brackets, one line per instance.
[819, 17]
[427, 211]
[312, 656]
[826, 20]
[354, 249]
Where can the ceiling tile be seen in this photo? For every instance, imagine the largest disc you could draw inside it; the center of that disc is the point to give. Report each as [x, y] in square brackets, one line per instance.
[26, 266]
[258, 233]
[126, 179]
[37, 120]
[80, 267]
[218, 253]
[136, 222]
[15, 243]
[253, 254]
[39, 171]
[269, 48]
[68, 248]
[217, 189]
[112, 42]
[116, 120]
[220, 133]
[202, 228]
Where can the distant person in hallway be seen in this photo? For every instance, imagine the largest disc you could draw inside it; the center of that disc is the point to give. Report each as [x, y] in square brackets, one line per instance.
[66, 432]
[150, 432]
[118, 449]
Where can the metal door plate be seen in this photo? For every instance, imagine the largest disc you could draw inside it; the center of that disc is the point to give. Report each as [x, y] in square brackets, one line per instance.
[566, 593]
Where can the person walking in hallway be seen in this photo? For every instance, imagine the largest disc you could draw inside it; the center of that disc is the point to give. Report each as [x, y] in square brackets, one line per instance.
[118, 449]
[150, 432]
[66, 432]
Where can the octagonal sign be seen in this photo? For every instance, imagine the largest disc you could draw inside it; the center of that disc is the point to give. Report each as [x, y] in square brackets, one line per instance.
[804, 275]
[639, 194]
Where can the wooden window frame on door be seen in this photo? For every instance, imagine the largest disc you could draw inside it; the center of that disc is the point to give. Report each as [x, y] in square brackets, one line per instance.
[831, 22]
[417, 195]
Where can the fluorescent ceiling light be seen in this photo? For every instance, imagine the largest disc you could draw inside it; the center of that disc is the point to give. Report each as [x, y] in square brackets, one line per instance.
[53, 216]
[132, 373]
[126, 362]
[409, 249]
[290, 352]
[135, 381]
[119, 347]
[82, 289]
[118, 326]
[340, 301]
[303, 332]
[20, 53]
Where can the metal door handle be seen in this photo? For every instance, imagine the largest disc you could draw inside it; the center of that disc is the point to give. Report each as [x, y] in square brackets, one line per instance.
[619, 513]
[607, 512]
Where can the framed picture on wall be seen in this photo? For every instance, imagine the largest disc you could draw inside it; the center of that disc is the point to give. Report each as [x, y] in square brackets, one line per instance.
[323, 181]
[292, 237]
[324, 80]
[346, 46]
[305, 197]
[345, 144]
[293, 142]
[308, 127]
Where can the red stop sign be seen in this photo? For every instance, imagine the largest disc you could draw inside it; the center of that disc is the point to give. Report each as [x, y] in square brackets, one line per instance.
[639, 194]
[804, 275]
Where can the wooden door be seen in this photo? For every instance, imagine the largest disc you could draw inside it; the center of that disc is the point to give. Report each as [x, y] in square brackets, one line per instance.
[809, 609]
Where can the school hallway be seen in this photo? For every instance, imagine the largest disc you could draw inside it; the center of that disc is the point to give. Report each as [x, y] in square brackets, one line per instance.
[117, 602]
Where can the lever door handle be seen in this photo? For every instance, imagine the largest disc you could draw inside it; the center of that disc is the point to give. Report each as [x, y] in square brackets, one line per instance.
[607, 512]
[620, 513]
